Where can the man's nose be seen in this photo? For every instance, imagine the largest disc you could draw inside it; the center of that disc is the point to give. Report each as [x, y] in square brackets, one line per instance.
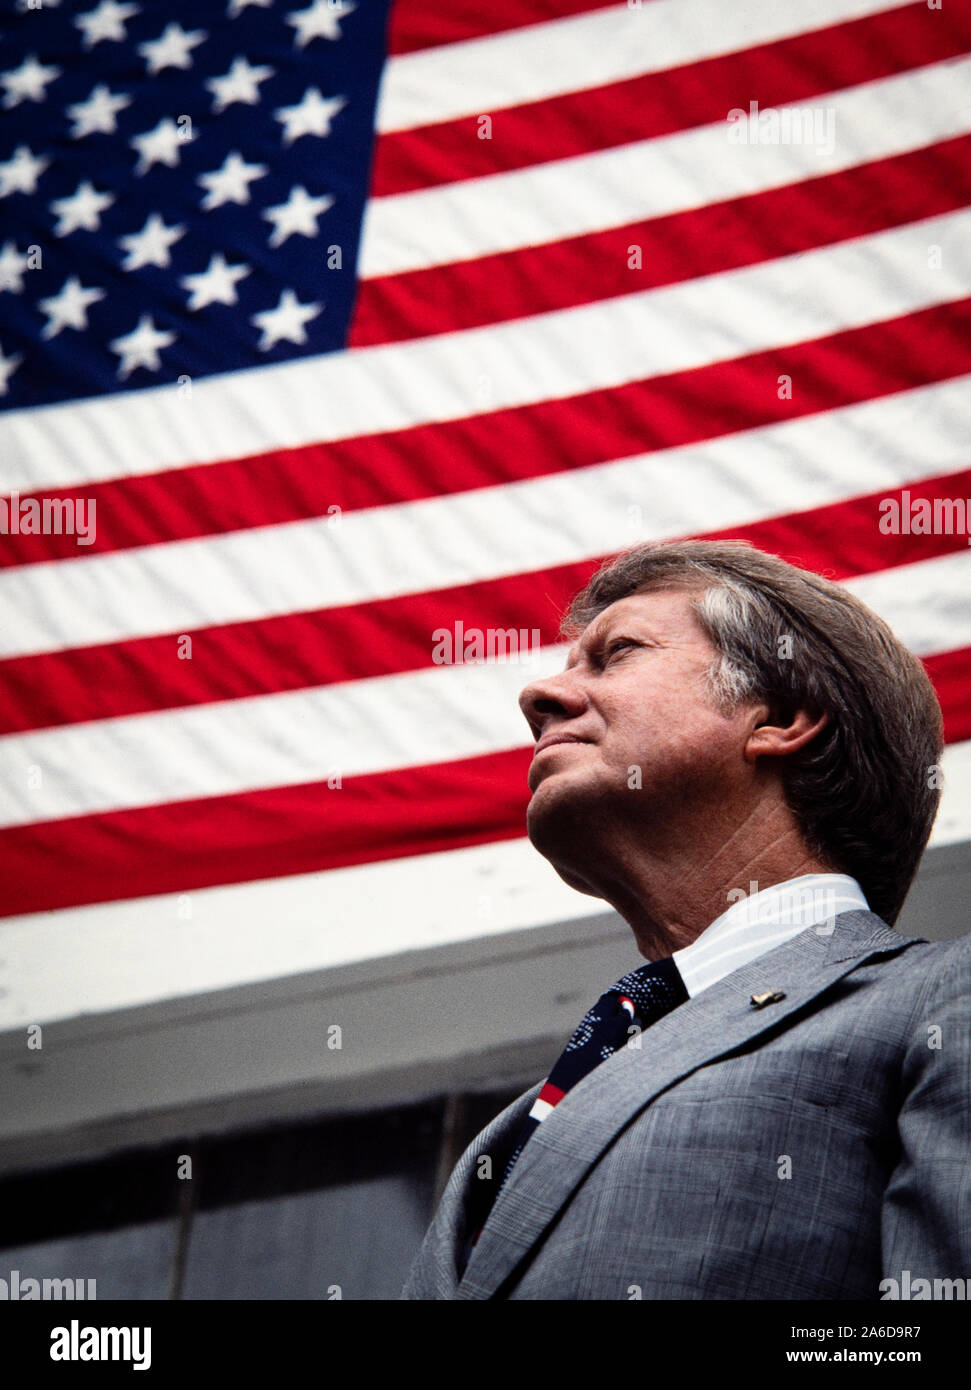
[552, 697]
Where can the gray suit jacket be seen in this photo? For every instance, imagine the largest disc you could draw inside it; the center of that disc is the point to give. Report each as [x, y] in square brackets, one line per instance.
[811, 1148]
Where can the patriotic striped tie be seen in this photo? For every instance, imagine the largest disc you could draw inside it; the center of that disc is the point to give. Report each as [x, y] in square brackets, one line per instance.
[621, 1013]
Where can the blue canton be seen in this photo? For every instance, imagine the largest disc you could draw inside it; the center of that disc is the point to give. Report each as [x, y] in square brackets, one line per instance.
[182, 187]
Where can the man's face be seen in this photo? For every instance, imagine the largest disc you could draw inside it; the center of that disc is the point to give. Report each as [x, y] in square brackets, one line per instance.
[628, 735]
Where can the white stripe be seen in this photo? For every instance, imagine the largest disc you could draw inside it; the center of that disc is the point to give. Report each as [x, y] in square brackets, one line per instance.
[368, 391]
[545, 60]
[926, 603]
[467, 537]
[123, 954]
[653, 178]
[118, 955]
[365, 726]
[375, 725]
[953, 824]
[540, 1110]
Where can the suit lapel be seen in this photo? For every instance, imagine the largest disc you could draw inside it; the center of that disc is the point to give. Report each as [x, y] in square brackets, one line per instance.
[715, 1022]
[434, 1275]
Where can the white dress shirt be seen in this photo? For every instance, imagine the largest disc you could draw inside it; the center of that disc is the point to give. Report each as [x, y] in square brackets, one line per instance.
[761, 920]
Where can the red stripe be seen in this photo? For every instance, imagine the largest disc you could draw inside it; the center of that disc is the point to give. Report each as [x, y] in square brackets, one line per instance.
[394, 635]
[551, 1094]
[276, 654]
[180, 846]
[951, 674]
[679, 247]
[529, 441]
[658, 103]
[418, 24]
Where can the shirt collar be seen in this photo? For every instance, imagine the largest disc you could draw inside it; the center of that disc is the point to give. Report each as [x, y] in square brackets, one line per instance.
[760, 920]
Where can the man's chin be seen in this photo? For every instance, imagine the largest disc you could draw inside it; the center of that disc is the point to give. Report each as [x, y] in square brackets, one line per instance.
[559, 821]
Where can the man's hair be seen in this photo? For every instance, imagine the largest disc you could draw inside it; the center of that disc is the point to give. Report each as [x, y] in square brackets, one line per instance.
[864, 789]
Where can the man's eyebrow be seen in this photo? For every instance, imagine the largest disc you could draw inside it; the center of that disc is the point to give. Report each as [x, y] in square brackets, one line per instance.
[584, 641]
[648, 630]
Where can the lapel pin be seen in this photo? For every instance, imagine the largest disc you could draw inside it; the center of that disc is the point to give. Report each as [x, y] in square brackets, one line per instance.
[768, 996]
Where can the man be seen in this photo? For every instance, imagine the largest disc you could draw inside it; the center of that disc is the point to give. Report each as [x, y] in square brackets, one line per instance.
[743, 760]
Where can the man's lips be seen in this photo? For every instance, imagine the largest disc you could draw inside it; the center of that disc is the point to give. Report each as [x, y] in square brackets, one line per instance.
[549, 740]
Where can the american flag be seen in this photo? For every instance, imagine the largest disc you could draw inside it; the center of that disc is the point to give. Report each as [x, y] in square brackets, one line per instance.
[343, 323]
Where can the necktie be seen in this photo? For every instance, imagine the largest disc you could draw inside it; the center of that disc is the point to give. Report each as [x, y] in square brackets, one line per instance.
[637, 1000]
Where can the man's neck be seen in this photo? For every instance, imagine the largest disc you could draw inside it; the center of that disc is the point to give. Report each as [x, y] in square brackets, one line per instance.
[669, 899]
[674, 910]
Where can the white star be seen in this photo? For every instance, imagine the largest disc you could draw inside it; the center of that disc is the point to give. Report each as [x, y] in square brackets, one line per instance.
[239, 84]
[20, 173]
[13, 267]
[151, 245]
[140, 347]
[83, 209]
[28, 82]
[159, 146]
[172, 48]
[230, 183]
[96, 116]
[320, 21]
[312, 116]
[286, 321]
[236, 7]
[69, 307]
[298, 215]
[106, 21]
[8, 365]
[216, 284]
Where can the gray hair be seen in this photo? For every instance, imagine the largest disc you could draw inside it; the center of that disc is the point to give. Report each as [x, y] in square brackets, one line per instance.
[864, 790]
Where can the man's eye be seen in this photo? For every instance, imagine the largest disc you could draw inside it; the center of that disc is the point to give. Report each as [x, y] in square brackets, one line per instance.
[619, 644]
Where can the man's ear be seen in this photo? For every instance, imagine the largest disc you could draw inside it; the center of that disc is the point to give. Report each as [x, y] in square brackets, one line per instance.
[782, 731]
